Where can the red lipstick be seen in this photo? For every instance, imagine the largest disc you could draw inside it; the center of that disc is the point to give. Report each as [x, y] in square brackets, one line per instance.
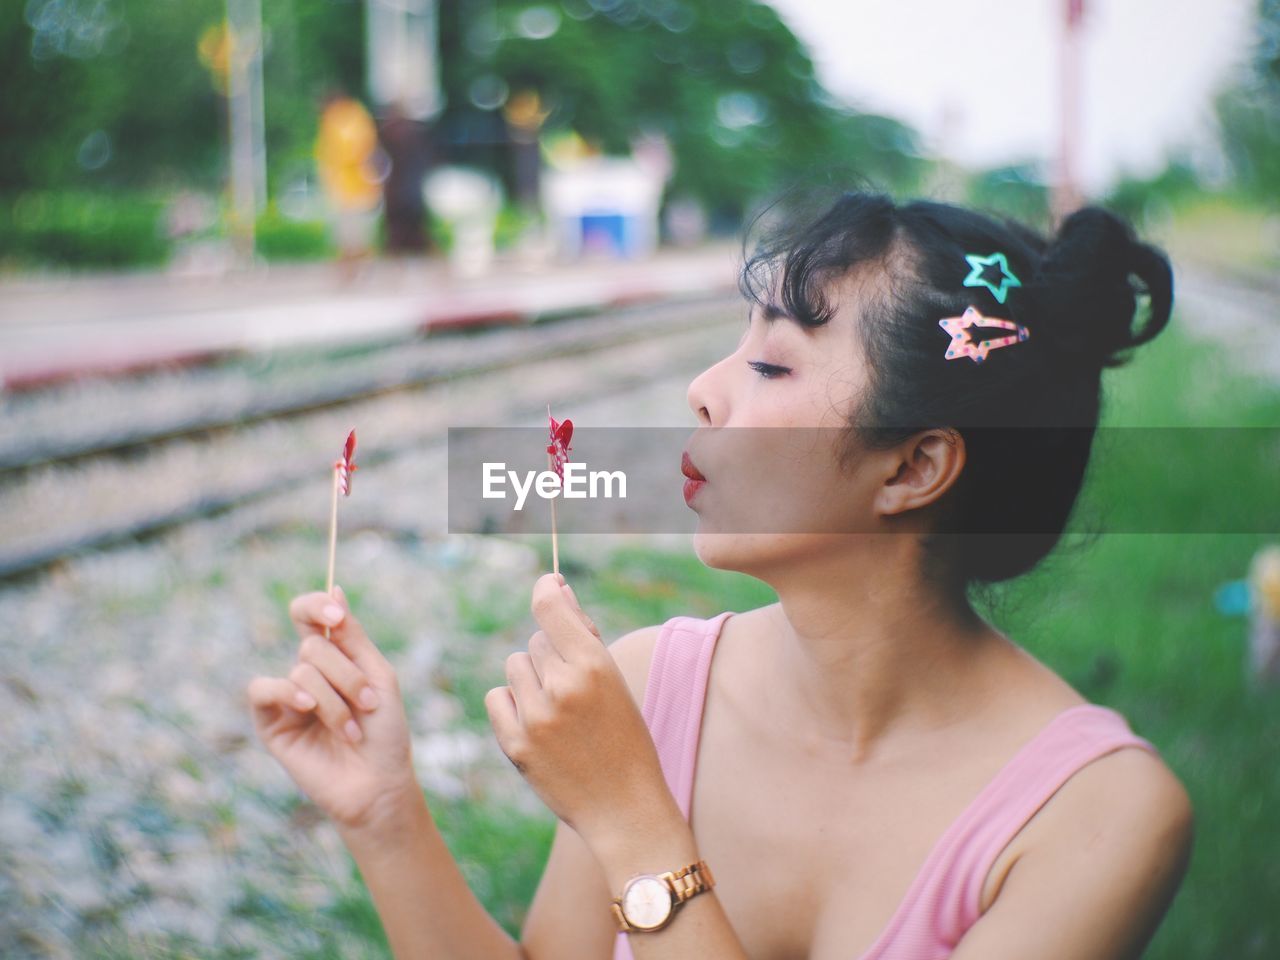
[695, 478]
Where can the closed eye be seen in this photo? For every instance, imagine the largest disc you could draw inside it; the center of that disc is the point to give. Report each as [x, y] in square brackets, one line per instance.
[767, 370]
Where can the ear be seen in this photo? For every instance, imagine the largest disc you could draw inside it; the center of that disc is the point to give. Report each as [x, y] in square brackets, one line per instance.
[924, 468]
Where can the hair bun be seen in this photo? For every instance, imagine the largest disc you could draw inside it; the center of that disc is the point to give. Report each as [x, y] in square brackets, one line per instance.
[1089, 295]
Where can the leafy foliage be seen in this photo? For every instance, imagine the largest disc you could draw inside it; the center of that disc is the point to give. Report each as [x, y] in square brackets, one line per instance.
[109, 93]
[112, 94]
[83, 229]
[728, 83]
[1249, 112]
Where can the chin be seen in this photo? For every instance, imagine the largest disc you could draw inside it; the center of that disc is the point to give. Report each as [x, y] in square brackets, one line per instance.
[750, 553]
[764, 555]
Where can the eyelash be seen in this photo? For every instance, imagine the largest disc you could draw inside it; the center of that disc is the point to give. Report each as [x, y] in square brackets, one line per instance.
[768, 371]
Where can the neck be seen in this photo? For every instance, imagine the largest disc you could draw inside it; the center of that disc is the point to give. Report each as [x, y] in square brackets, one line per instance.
[861, 653]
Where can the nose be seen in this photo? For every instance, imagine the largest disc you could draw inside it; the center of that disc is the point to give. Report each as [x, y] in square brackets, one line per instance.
[699, 396]
[708, 393]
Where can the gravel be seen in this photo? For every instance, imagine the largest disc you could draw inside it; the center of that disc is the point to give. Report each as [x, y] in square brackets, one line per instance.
[139, 814]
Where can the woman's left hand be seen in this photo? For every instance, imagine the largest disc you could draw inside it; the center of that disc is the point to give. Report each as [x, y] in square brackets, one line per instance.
[569, 725]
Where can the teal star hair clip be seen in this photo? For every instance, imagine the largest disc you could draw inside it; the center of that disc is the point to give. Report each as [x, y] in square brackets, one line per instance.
[979, 265]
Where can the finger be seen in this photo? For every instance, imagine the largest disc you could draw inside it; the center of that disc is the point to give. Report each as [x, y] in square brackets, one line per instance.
[545, 656]
[586, 620]
[556, 615]
[312, 612]
[332, 709]
[349, 636]
[266, 692]
[343, 675]
[501, 706]
[526, 688]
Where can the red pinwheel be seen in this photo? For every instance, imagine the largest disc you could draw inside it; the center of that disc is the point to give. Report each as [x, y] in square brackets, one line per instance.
[346, 467]
[559, 446]
[557, 455]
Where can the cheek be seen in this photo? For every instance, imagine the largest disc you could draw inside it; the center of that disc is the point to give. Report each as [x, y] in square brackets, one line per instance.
[782, 481]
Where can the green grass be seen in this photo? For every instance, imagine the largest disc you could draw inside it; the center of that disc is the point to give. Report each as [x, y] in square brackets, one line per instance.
[1226, 232]
[501, 851]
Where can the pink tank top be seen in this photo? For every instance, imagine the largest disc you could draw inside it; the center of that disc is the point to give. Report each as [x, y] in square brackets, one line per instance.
[942, 901]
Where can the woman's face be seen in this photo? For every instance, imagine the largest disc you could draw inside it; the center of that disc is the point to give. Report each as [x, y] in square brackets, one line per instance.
[772, 417]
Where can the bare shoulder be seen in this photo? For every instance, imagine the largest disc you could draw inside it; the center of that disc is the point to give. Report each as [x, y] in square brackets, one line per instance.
[1132, 786]
[1129, 782]
[1104, 860]
[633, 653]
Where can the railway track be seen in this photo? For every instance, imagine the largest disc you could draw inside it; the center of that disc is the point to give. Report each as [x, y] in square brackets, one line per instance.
[228, 399]
[100, 465]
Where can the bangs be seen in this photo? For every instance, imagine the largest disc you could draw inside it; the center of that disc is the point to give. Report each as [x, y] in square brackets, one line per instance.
[796, 253]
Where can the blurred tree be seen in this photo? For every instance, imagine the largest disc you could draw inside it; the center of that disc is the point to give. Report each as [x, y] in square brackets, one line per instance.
[111, 93]
[104, 95]
[1016, 190]
[727, 82]
[1151, 198]
[1249, 112]
[313, 48]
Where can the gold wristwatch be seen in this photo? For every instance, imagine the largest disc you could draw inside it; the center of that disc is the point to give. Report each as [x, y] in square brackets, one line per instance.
[649, 901]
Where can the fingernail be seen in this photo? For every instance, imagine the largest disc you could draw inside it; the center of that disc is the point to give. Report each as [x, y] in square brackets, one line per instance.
[560, 578]
[332, 614]
[368, 698]
[342, 594]
[353, 730]
[305, 700]
[573, 597]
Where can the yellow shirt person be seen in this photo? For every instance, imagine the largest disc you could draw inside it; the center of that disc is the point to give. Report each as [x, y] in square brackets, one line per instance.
[344, 152]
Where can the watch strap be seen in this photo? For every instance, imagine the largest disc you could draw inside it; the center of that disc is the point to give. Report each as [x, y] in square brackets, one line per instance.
[690, 881]
[685, 883]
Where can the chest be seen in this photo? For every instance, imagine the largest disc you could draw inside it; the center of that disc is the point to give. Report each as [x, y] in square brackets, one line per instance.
[812, 862]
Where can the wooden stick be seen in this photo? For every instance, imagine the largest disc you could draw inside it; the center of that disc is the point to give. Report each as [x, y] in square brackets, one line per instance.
[555, 544]
[333, 540]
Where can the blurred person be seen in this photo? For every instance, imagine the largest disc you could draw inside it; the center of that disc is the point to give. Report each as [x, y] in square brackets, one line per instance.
[866, 768]
[525, 113]
[409, 149]
[346, 151]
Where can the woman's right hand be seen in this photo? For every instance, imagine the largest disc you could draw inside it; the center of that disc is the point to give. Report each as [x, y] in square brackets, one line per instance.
[303, 719]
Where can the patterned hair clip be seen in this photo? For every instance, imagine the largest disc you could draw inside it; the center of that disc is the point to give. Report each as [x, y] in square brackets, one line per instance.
[978, 266]
[962, 344]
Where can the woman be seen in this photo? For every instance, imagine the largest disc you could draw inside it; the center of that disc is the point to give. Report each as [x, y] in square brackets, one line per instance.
[880, 772]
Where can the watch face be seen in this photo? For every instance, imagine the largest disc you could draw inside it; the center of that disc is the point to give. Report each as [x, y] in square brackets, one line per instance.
[646, 902]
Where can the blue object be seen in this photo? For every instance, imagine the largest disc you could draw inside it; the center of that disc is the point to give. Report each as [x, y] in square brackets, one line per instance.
[1233, 598]
[606, 230]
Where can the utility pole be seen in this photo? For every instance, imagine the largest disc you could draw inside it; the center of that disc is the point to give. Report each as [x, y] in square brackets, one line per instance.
[1067, 195]
[247, 124]
[401, 56]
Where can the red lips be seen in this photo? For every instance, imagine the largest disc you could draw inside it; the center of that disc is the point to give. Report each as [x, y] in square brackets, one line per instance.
[695, 478]
[688, 469]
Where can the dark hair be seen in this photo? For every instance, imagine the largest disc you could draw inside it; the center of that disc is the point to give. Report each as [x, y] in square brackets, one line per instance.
[1076, 297]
